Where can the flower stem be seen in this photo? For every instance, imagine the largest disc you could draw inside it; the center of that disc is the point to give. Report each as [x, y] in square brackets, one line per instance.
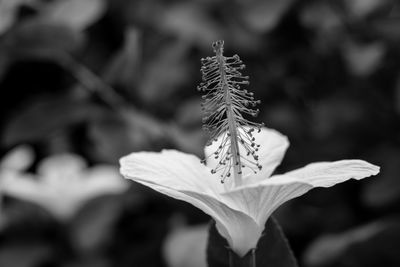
[90, 81]
[248, 260]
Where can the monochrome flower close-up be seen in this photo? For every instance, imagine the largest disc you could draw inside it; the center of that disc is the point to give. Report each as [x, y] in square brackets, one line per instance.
[199, 133]
[241, 211]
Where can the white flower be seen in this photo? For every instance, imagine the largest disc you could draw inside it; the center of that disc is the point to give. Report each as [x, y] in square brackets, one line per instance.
[240, 212]
[18, 159]
[63, 184]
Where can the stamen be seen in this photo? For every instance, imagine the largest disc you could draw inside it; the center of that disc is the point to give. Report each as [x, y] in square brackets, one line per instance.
[224, 104]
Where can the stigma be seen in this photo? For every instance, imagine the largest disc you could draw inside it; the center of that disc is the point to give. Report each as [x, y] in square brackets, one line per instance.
[227, 109]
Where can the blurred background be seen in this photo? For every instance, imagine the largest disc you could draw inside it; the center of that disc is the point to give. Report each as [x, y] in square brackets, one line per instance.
[84, 82]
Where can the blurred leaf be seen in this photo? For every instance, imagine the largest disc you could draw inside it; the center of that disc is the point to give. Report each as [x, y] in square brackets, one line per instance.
[8, 10]
[115, 136]
[388, 28]
[94, 225]
[20, 213]
[57, 29]
[164, 73]
[262, 16]
[394, 10]
[330, 247]
[43, 39]
[362, 8]
[385, 190]
[363, 59]
[336, 114]
[88, 262]
[186, 246]
[272, 249]
[189, 113]
[239, 38]
[190, 22]
[306, 218]
[24, 255]
[320, 15]
[46, 116]
[124, 68]
[4, 61]
[285, 118]
[372, 245]
[397, 96]
[76, 14]
[189, 141]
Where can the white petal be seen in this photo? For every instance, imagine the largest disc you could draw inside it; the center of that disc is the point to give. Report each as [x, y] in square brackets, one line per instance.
[61, 165]
[91, 183]
[272, 148]
[104, 179]
[64, 193]
[241, 231]
[260, 200]
[56, 200]
[18, 185]
[170, 168]
[183, 177]
[18, 159]
[326, 174]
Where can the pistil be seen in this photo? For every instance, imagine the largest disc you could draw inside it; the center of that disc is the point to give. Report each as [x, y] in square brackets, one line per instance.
[232, 128]
[224, 105]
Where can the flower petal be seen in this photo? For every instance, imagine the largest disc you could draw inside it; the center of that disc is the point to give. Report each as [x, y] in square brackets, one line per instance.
[241, 231]
[103, 179]
[18, 159]
[56, 200]
[183, 177]
[60, 166]
[170, 168]
[19, 185]
[326, 174]
[272, 148]
[63, 195]
[260, 200]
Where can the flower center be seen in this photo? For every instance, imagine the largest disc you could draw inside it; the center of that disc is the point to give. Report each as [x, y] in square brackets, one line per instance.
[224, 107]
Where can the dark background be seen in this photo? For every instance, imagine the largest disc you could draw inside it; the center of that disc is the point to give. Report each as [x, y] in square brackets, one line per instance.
[105, 78]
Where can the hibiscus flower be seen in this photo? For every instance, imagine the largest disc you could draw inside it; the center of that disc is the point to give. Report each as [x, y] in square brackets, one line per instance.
[240, 211]
[63, 184]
